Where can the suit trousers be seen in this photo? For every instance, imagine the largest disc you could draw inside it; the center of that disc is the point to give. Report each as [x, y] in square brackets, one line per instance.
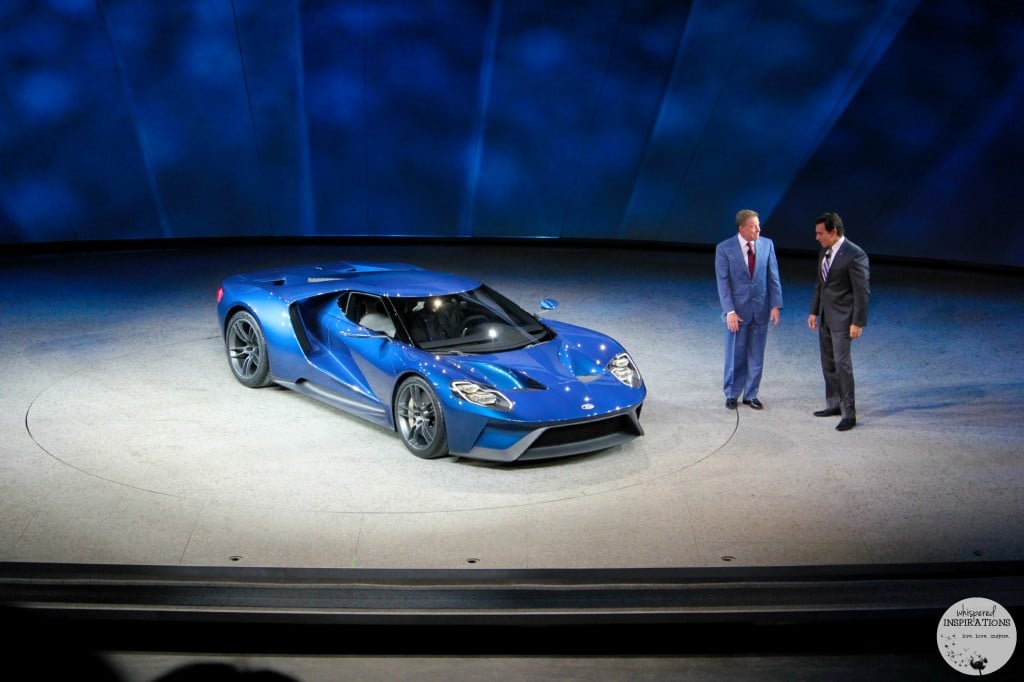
[837, 368]
[744, 360]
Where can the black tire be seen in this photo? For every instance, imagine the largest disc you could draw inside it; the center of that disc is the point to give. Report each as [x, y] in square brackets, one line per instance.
[247, 350]
[419, 419]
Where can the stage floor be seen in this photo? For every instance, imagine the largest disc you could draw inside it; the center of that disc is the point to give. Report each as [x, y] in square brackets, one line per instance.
[126, 440]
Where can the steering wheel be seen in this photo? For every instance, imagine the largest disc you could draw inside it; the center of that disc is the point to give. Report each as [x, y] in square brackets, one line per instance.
[472, 321]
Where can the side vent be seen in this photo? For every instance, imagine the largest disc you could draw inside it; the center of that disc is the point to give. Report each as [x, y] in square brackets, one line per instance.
[300, 329]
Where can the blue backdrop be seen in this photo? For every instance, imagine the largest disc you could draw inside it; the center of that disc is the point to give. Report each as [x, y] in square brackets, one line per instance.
[621, 120]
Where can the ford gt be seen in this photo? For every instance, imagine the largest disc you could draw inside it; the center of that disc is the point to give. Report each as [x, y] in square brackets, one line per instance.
[453, 366]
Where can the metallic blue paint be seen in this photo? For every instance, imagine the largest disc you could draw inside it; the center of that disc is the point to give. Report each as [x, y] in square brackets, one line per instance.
[564, 399]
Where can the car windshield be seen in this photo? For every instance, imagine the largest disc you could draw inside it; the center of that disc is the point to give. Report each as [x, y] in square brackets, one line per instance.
[477, 321]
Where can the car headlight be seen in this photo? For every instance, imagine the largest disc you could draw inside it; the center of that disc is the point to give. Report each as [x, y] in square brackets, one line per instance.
[622, 367]
[481, 395]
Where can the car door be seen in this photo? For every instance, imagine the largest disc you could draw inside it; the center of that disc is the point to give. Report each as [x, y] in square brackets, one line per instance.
[373, 358]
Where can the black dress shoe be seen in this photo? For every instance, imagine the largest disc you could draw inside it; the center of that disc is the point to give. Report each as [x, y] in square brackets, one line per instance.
[828, 412]
[754, 404]
[730, 403]
[846, 424]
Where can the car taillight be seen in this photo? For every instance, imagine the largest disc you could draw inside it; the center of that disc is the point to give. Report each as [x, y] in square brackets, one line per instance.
[220, 294]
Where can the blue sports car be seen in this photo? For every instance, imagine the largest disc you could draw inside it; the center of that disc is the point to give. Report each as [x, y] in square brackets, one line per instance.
[452, 365]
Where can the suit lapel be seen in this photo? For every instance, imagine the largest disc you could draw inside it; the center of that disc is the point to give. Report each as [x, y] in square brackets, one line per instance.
[837, 258]
[741, 255]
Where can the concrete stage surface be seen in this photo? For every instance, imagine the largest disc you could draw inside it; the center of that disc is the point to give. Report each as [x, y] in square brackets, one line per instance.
[126, 440]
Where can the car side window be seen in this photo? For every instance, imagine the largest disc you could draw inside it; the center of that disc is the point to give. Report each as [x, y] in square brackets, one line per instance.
[343, 302]
[368, 311]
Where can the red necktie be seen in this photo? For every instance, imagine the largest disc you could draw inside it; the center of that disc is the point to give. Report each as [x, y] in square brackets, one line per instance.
[750, 258]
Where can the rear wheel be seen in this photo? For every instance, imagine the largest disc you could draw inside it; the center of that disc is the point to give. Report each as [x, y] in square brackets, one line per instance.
[420, 419]
[247, 350]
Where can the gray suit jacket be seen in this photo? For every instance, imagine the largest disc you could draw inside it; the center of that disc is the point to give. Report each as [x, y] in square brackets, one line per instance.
[842, 299]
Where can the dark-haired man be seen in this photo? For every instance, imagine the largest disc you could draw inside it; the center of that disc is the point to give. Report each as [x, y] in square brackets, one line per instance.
[839, 311]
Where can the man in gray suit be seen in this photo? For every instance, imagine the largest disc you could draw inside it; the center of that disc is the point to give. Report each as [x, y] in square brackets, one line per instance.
[839, 311]
[750, 291]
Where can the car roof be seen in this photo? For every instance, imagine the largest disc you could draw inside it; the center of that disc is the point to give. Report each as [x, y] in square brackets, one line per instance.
[385, 279]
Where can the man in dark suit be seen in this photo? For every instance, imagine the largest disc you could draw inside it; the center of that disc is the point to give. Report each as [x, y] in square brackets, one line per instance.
[839, 311]
[750, 291]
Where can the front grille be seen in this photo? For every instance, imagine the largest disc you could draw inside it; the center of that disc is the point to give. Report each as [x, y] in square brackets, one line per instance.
[579, 433]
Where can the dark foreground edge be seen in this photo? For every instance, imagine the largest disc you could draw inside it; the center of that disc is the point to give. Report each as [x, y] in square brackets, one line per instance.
[892, 609]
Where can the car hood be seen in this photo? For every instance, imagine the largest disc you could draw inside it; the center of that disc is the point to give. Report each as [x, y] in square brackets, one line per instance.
[546, 365]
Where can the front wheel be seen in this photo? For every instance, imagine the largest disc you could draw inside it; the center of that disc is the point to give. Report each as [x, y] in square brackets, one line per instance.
[420, 419]
[247, 350]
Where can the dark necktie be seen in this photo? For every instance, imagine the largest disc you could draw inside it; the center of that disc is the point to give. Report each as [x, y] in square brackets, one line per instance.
[825, 264]
[750, 258]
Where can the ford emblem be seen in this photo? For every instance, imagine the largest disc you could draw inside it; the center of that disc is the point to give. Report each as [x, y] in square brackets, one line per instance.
[587, 406]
